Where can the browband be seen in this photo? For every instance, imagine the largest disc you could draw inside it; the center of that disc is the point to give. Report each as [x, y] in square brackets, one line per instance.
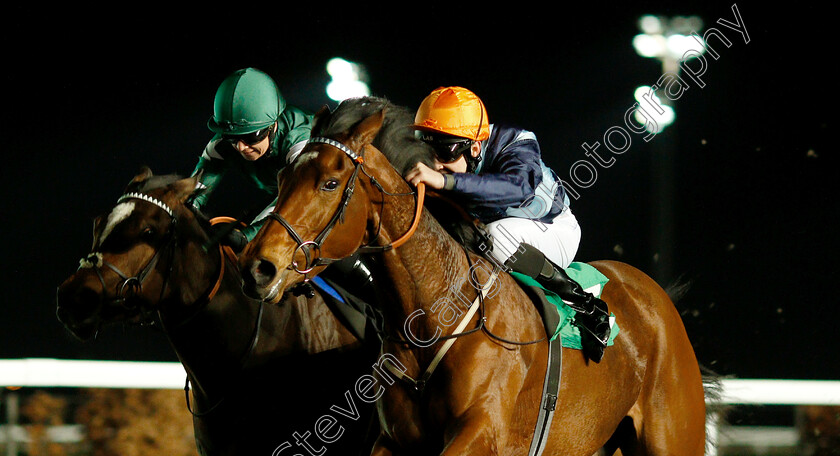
[350, 153]
[148, 199]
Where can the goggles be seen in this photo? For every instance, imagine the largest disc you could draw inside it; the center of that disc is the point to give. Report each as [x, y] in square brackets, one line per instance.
[248, 138]
[447, 148]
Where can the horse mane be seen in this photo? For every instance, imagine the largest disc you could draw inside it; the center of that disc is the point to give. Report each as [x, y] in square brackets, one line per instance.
[152, 183]
[395, 139]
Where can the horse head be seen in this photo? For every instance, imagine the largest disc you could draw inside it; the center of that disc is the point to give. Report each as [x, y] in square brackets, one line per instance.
[331, 199]
[124, 277]
[151, 259]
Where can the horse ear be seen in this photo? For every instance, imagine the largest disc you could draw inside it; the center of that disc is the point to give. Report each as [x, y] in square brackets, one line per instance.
[144, 174]
[366, 130]
[97, 224]
[322, 112]
[185, 188]
[319, 117]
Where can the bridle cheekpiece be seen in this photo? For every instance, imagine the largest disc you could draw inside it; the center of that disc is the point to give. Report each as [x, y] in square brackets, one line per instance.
[306, 247]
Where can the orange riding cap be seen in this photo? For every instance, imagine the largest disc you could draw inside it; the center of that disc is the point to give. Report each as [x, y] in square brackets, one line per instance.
[454, 111]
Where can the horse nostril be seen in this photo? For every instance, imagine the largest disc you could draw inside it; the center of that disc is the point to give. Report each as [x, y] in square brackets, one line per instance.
[87, 299]
[76, 303]
[263, 272]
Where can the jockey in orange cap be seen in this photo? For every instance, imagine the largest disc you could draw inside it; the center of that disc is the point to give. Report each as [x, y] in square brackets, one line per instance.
[497, 173]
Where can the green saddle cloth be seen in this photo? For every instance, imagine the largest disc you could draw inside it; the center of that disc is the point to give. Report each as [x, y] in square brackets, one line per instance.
[592, 281]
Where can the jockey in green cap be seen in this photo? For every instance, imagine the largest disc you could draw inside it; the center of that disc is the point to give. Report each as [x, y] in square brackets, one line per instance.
[256, 134]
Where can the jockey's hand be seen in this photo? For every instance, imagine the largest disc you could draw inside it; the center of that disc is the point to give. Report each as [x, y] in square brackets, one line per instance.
[226, 234]
[236, 240]
[422, 173]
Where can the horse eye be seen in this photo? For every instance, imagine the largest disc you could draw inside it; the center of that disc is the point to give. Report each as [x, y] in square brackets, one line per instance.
[330, 185]
[148, 234]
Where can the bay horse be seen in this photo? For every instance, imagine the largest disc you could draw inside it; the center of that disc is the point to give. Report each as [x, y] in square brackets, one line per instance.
[261, 376]
[343, 194]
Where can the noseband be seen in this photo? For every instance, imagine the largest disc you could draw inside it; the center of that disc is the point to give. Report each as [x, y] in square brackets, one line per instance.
[307, 247]
[312, 249]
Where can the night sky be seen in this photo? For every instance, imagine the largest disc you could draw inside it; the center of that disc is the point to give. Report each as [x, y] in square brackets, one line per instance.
[86, 102]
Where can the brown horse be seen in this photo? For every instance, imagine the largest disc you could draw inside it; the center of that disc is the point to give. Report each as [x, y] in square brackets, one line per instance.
[645, 397]
[261, 376]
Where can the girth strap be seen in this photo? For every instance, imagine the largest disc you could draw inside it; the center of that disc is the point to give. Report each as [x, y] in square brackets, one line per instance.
[420, 383]
[551, 390]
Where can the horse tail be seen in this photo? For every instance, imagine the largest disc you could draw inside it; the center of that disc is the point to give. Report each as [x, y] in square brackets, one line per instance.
[678, 289]
[716, 409]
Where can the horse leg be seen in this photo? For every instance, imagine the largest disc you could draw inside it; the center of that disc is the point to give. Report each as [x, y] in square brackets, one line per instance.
[624, 440]
[670, 415]
[674, 420]
[379, 450]
[608, 452]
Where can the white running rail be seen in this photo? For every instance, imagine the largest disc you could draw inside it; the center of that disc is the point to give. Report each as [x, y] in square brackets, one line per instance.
[59, 373]
[62, 373]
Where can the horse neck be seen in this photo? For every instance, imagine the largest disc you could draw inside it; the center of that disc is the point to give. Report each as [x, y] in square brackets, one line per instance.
[307, 326]
[426, 267]
[194, 274]
[208, 335]
[217, 340]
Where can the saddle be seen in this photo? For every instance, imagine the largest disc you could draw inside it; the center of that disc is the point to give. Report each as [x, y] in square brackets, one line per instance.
[555, 313]
[357, 315]
[557, 316]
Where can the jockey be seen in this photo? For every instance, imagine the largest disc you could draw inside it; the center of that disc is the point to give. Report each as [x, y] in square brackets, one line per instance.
[497, 173]
[257, 134]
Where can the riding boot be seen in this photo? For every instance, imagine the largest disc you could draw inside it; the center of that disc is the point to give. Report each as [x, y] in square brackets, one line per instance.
[592, 314]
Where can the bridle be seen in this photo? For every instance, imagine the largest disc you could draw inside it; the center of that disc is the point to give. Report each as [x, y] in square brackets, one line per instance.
[312, 249]
[132, 286]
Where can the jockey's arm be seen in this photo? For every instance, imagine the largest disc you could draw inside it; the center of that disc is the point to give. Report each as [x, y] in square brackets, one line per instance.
[514, 176]
[212, 168]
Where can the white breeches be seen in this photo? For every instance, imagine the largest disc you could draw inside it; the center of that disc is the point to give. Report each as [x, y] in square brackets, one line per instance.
[558, 240]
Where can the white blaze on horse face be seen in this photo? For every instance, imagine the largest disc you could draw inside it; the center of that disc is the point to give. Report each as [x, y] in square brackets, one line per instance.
[304, 157]
[118, 214]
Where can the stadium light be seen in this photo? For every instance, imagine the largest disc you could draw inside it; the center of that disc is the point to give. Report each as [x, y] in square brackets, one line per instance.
[669, 40]
[348, 79]
[658, 120]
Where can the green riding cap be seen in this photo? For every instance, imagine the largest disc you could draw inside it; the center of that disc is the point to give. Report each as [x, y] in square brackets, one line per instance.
[248, 100]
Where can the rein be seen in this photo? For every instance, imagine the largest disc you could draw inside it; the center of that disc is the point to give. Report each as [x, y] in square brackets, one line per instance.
[307, 247]
[224, 251]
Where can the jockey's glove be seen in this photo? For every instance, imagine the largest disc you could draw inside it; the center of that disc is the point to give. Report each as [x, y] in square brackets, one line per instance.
[227, 234]
[236, 240]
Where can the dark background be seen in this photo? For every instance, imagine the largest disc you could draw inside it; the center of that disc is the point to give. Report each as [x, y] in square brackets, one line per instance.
[88, 97]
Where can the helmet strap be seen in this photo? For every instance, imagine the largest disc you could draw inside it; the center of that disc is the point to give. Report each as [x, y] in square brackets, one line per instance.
[272, 134]
[480, 119]
[472, 162]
